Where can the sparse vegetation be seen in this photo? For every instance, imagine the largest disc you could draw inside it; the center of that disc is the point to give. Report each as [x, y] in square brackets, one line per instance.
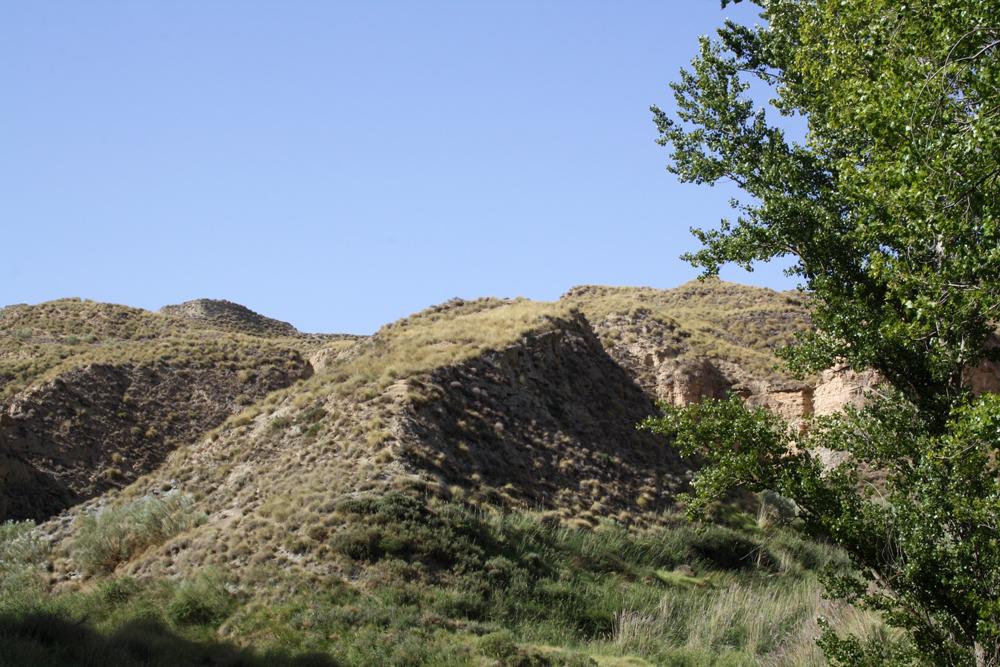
[349, 535]
[39, 342]
[738, 324]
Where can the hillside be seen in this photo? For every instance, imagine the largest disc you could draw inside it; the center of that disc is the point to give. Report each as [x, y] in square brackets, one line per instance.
[505, 402]
[93, 395]
[510, 403]
[737, 327]
[471, 470]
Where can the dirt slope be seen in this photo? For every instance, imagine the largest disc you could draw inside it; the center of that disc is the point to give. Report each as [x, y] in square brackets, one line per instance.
[493, 401]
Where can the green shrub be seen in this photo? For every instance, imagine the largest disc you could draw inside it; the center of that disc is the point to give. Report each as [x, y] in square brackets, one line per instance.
[22, 551]
[400, 526]
[117, 590]
[280, 423]
[726, 549]
[500, 645]
[115, 534]
[202, 601]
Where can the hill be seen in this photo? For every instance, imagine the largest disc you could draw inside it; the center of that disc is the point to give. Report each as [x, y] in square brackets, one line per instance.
[93, 395]
[465, 486]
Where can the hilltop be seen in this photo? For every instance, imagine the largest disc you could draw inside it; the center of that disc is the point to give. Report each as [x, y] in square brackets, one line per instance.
[229, 316]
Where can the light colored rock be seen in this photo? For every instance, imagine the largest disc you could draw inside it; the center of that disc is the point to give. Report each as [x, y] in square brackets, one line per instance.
[792, 403]
[687, 381]
[841, 386]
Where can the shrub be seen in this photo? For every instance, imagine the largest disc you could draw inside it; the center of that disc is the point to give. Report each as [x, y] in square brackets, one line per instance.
[399, 526]
[726, 549]
[118, 590]
[115, 534]
[280, 423]
[498, 645]
[202, 601]
[22, 551]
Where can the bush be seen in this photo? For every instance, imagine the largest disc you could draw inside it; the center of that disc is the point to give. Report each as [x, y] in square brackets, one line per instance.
[726, 549]
[115, 534]
[203, 601]
[399, 526]
[118, 590]
[22, 551]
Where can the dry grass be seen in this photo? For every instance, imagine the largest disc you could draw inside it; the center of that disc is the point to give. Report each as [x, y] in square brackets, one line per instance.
[39, 342]
[443, 335]
[774, 622]
[736, 323]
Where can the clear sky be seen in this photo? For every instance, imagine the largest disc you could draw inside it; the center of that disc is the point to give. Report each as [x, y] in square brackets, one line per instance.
[341, 164]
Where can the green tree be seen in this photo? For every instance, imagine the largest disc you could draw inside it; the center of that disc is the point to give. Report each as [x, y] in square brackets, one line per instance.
[888, 209]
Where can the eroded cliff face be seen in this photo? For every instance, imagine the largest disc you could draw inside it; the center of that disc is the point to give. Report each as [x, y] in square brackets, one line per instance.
[655, 352]
[841, 386]
[652, 350]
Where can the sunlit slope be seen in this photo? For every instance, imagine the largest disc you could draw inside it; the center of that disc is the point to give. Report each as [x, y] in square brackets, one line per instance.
[738, 327]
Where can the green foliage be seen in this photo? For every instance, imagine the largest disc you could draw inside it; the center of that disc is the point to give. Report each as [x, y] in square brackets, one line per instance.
[115, 534]
[889, 208]
[516, 591]
[400, 526]
[924, 537]
[203, 601]
[22, 551]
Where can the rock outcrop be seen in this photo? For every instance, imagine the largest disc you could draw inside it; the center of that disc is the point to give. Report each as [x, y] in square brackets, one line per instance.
[841, 386]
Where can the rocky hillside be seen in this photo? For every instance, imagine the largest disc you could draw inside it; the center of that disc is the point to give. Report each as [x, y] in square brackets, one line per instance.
[509, 403]
[466, 476]
[94, 395]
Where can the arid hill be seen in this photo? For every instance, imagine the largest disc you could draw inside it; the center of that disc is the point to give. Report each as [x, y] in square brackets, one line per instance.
[503, 402]
[228, 316]
[94, 395]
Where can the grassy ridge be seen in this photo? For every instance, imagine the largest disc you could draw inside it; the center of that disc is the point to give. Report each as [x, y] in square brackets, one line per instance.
[41, 341]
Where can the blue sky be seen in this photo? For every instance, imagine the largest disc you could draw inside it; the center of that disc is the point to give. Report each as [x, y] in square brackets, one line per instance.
[341, 164]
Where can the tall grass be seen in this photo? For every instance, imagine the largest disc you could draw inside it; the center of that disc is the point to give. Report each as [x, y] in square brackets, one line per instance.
[22, 551]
